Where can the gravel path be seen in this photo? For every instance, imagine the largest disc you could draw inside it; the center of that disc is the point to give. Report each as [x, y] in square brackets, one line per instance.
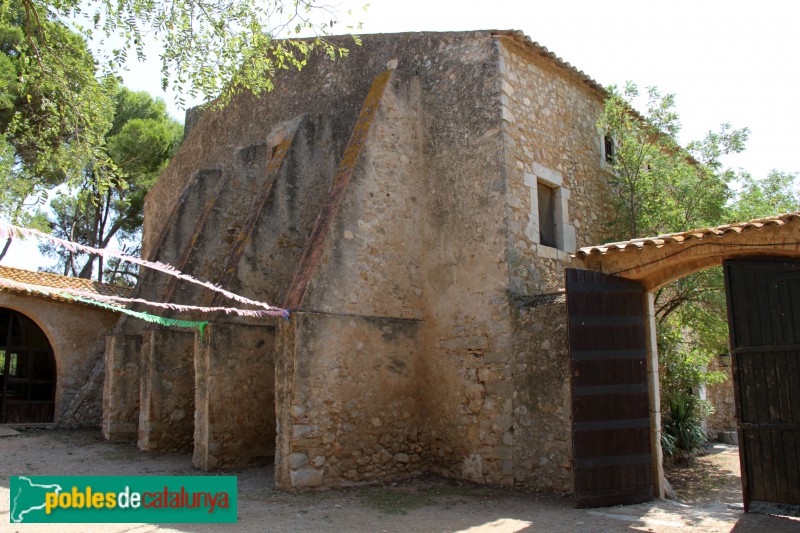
[430, 504]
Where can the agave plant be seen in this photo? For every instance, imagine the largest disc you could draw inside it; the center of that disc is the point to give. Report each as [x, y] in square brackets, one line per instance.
[683, 433]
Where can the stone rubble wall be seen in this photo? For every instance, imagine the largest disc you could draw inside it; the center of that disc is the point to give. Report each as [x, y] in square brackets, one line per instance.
[166, 414]
[542, 400]
[722, 398]
[370, 262]
[410, 351]
[550, 133]
[234, 418]
[121, 387]
[348, 401]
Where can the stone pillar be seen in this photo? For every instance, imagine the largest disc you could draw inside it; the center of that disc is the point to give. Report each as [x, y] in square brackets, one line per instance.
[166, 415]
[655, 396]
[121, 387]
[234, 397]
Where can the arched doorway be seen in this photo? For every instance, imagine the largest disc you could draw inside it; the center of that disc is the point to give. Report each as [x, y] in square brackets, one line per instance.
[27, 371]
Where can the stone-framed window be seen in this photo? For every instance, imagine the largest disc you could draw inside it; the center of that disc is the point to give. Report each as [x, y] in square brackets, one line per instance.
[609, 149]
[546, 197]
[548, 221]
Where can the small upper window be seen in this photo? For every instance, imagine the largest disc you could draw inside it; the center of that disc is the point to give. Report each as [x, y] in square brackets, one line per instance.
[547, 214]
[609, 149]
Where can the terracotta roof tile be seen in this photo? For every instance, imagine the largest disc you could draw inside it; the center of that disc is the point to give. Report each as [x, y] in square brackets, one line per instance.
[55, 281]
[677, 238]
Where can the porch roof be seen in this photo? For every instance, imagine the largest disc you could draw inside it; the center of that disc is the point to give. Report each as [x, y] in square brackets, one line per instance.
[21, 281]
[658, 260]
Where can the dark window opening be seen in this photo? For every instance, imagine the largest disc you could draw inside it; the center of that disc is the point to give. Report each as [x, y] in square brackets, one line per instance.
[610, 149]
[27, 371]
[547, 214]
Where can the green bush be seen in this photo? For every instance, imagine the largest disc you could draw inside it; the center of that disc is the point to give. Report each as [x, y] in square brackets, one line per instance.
[682, 433]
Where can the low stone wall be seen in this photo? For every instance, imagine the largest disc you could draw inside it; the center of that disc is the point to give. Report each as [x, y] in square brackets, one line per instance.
[166, 416]
[347, 400]
[722, 398]
[121, 387]
[234, 423]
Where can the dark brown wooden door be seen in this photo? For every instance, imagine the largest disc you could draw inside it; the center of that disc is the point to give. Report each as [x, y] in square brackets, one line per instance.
[610, 399]
[27, 371]
[764, 319]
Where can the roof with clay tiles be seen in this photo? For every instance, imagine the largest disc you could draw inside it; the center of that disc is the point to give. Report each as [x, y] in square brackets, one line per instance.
[12, 279]
[688, 236]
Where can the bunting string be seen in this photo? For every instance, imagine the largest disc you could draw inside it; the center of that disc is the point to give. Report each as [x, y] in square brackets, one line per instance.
[155, 319]
[10, 231]
[256, 313]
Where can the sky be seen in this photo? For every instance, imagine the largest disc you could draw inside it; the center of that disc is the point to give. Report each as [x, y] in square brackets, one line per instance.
[730, 61]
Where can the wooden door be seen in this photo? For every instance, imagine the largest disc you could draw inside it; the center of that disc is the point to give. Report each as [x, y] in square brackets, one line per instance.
[764, 320]
[610, 399]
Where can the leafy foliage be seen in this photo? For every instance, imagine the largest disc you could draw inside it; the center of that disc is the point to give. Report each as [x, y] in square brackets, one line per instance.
[660, 186]
[664, 188]
[210, 48]
[53, 112]
[53, 109]
[683, 433]
[139, 143]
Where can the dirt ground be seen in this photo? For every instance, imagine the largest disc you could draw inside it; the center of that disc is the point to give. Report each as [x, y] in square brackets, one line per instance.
[430, 504]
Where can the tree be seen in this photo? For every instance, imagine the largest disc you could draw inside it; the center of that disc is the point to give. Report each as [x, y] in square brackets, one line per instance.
[53, 112]
[779, 192]
[139, 143]
[214, 48]
[664, 188]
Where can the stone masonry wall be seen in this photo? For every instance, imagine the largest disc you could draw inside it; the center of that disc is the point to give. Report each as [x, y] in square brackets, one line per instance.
[234, 423]
[550, 133]
[166, 415]
[348, 401]
[722, 398]
[542, 406]
[371, 259]
[121, 387]
[467, 334]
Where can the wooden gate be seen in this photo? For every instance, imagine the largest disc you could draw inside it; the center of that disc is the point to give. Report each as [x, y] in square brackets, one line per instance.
[610, 400]
[764, 319]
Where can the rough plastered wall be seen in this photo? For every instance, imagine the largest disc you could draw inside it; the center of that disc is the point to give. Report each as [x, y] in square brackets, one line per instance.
[349, 405]
[346, 381]
[76, 334]
[234, 417]
[121, 387]
[336, 89]
[465, 369]
[166, 414]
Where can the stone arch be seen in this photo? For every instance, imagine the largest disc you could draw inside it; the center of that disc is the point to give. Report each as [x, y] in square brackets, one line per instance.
[29, 372]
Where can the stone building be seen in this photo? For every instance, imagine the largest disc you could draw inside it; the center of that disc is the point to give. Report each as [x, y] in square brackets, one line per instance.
[414, 205]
